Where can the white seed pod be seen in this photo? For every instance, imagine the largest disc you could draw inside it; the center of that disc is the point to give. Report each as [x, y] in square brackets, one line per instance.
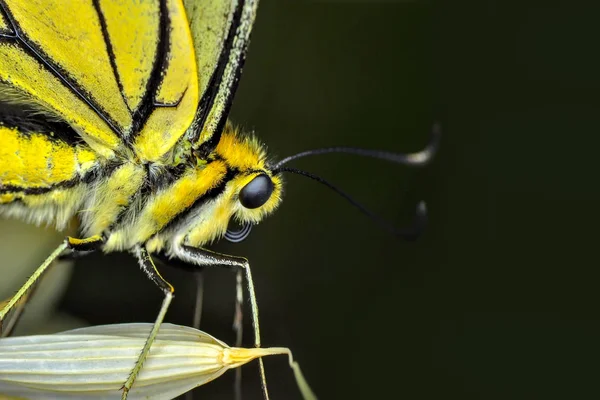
[93, 363]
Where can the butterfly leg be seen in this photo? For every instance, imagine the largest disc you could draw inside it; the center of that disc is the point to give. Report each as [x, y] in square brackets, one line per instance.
[7, 329]
[207, 258]
[199, 275]
[19, 300]
[149, 268]
[238, 328]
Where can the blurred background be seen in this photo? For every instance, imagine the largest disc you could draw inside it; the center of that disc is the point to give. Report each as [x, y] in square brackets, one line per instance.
[499, 298]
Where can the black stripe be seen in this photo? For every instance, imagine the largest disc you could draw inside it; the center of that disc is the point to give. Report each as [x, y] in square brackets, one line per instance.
[54, 69]
[101, 173]
[209, 195]
[109, 49]
[27, 121]
[160, 65]
[209, 96]
[41, 190]
[213, 141]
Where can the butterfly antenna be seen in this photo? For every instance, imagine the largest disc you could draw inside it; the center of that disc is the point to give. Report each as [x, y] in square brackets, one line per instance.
[409, 233]
[417, 159]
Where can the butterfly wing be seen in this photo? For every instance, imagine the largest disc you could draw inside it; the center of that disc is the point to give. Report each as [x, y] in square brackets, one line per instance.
[221, 32]
[121, 74]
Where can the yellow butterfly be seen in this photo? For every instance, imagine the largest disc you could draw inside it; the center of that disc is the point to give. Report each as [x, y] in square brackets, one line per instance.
[115, 112]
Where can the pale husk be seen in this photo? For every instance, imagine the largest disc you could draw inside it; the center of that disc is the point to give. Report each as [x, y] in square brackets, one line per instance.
[93, 363]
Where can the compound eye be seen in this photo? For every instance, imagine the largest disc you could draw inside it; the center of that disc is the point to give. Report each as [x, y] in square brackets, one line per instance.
[256, 192]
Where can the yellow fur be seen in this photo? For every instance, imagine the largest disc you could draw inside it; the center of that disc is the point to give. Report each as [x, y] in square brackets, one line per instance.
[110, 197]
[241, 151]
[35, 161]
[54, 208]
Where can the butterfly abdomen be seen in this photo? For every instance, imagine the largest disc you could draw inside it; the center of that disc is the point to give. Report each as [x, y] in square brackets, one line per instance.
[41, 176]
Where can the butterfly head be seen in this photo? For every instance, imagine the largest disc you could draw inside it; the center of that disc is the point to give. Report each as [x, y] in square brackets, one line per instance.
[256, 190]
[253, 186]
[250, 190]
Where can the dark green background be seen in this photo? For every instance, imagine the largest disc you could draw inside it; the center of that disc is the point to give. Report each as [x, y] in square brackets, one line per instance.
[499, 299]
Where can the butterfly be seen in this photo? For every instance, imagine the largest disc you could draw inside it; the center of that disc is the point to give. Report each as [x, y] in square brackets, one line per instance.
[115, 112]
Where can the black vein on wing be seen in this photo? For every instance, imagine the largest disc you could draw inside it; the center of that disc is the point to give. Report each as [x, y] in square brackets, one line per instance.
[159, 67]
[109, 49]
